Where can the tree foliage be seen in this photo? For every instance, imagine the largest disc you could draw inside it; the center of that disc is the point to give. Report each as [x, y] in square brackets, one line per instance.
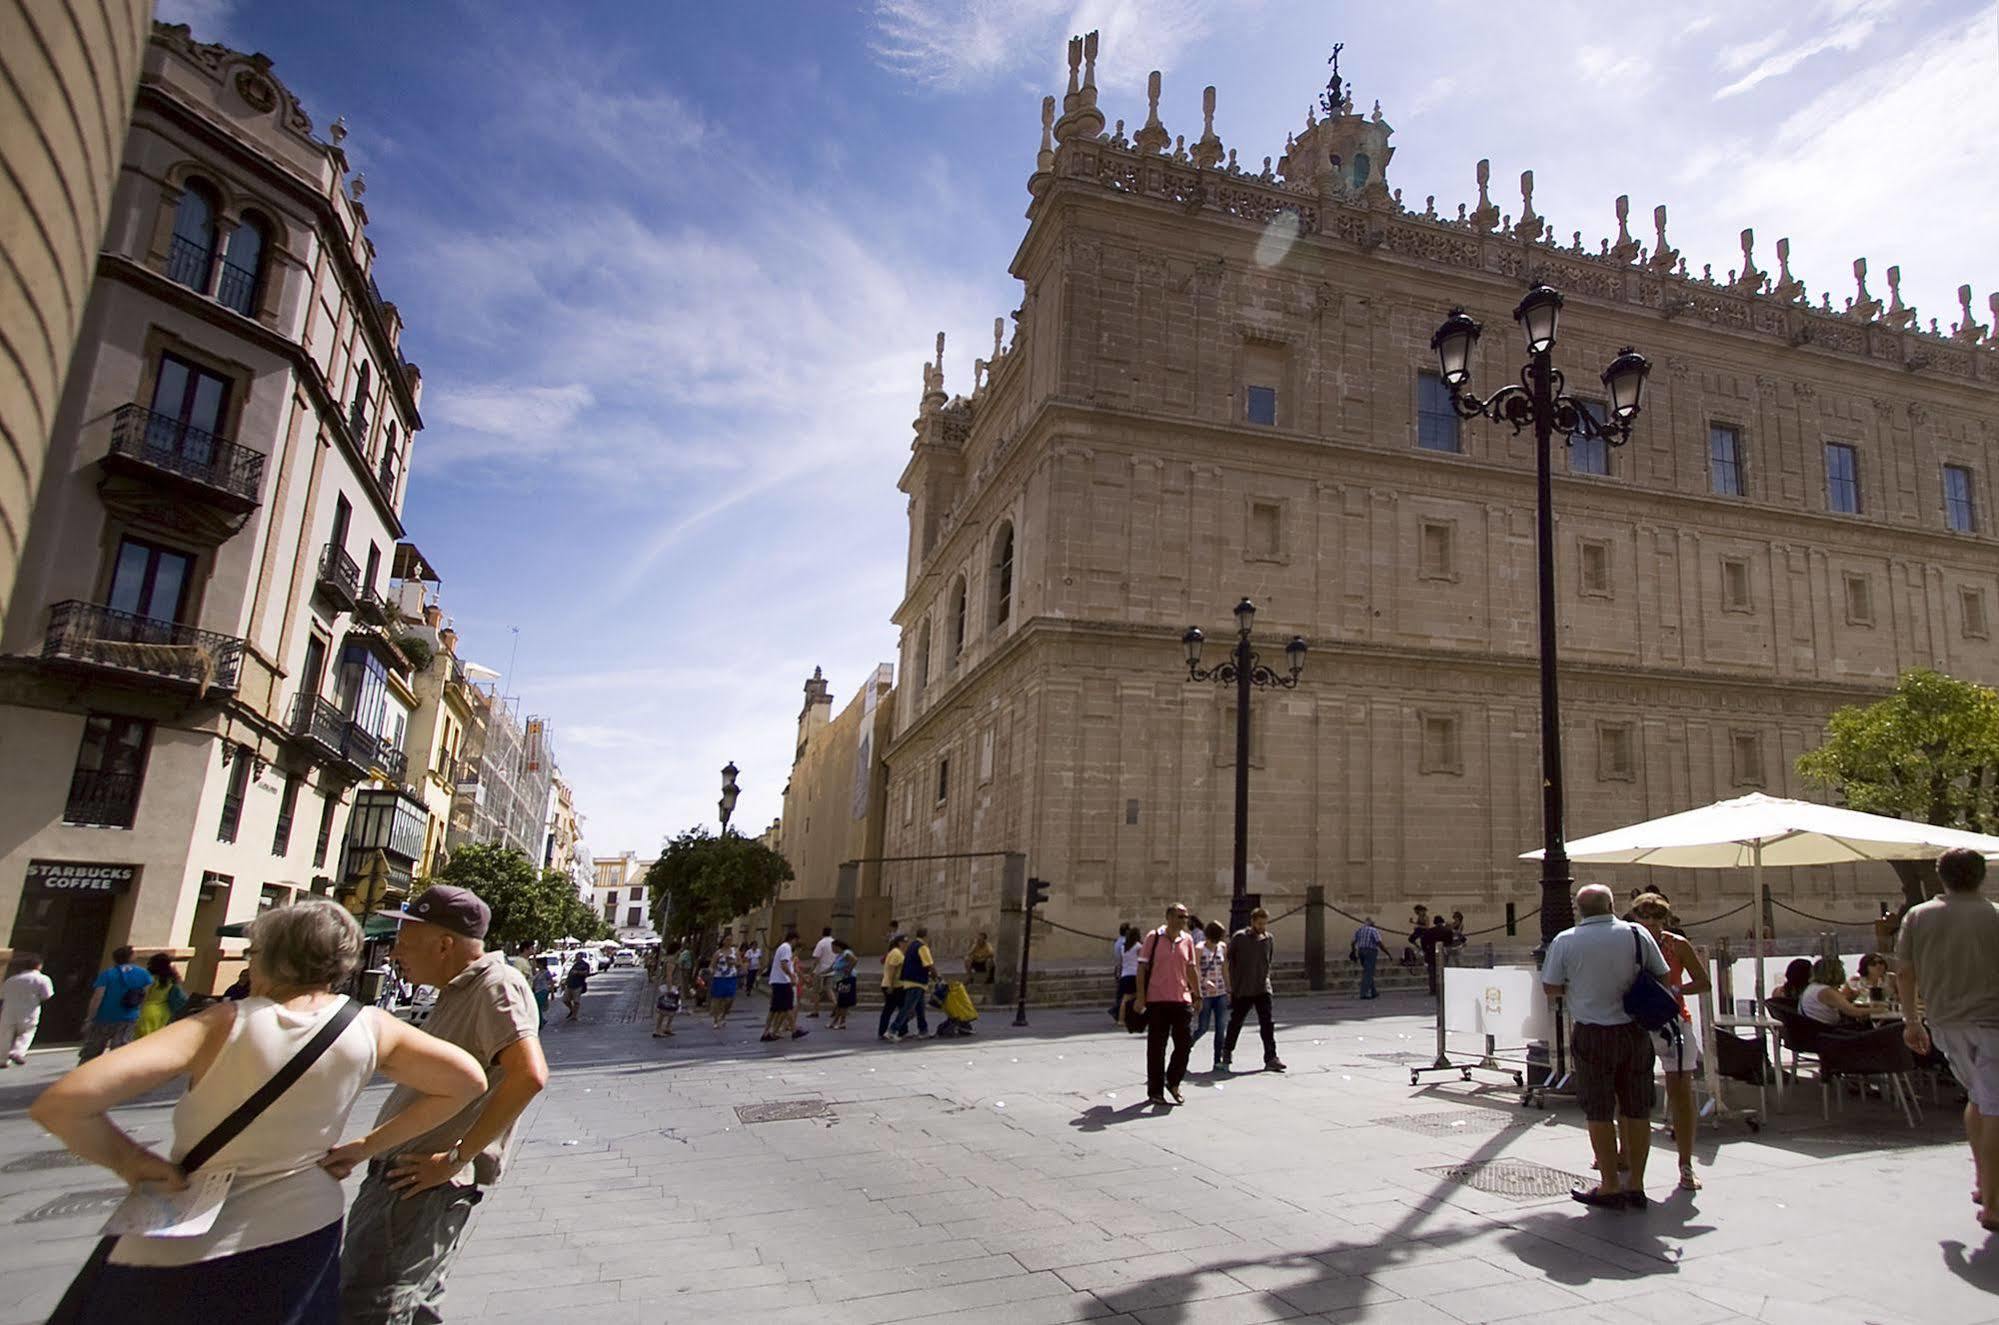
[1929, 751]
[528, 904]
[706, 881]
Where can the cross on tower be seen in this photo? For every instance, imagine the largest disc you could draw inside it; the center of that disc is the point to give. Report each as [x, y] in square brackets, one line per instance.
[1333, 99]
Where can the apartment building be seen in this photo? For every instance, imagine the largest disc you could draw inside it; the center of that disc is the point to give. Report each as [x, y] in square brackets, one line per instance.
[198, 668]
[620, 894]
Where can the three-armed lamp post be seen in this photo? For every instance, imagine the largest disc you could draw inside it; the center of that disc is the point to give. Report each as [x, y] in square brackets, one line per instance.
[1539, 400]
[1243, 670]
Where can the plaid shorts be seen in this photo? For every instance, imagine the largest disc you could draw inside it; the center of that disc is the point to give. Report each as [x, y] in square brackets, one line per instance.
[1613, 1077]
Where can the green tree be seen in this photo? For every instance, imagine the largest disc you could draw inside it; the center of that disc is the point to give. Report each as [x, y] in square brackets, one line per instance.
[1929, 752]
[528, 905]
[707, 881]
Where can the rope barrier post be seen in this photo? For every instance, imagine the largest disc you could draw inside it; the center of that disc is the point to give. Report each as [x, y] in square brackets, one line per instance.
[1008, 964]
[1315, 938]
[1037, 892]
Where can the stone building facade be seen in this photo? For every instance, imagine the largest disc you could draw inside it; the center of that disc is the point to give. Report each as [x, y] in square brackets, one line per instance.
[67, 73]
[1220, 384]
[833, 810]
[200, 677]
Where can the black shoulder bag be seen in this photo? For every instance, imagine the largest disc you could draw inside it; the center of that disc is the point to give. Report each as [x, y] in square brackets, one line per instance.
[70, 1309]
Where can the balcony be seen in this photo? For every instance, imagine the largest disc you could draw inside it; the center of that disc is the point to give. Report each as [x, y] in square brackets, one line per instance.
[395, 765]
[190, 264]
[332, 738]
[385, 475]
[339, 577]
[197, 462]
[102, 800]
[94, 636]
[236, 288]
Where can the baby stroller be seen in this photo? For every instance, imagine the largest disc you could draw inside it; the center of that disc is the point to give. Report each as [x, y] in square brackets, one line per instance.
[955, 1001]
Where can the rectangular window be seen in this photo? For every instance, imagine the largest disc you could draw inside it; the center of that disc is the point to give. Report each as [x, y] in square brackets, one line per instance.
[281, 840]
[1261, 405]
[1747, 749]
[1842, 479]
[1266, 530]
[943, 780]
[190, 407]
[325, 839]
[150, 581]
[1859, 600]
[232, 799]
[986, 755]
[1613, 752]
[632, 918]
[374, 568]
[1440, 745]
[1436, 555]
[1589, 455]
[343, 518]
[1971, 613]
[1960, 507]
[1595, 562]
[110, 766]
[1436, 421]
[1735, 585]
[1130, 812]
[1724, 460]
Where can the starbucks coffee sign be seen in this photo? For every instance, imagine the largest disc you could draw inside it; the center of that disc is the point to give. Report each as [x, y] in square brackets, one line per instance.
[69, 876]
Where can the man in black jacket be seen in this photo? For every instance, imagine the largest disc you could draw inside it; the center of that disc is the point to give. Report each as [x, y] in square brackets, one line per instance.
[1247, 970]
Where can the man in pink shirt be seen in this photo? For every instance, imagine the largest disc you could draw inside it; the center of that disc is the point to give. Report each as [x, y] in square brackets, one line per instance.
[1169, 989]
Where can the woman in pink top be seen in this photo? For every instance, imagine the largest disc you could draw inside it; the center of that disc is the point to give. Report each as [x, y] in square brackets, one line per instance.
[1169, 985]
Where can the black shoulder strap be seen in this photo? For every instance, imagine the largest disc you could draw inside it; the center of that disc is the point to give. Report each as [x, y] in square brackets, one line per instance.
[267, 1094]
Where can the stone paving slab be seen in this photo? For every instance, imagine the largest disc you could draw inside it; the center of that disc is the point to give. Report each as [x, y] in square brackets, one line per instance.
[1017, 1178]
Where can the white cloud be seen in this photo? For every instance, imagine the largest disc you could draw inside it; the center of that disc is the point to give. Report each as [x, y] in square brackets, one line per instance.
[970, 45]
[1848, 24]
[210, 19]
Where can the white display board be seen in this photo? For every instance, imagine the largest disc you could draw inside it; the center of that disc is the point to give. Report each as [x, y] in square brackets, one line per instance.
[1504, 1002]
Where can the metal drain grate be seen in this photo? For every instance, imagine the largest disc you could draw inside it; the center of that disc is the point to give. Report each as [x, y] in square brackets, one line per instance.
[42, 1159]
[1511, 1178]
[74, 1205]
[1457, 1122]
[780, 1111]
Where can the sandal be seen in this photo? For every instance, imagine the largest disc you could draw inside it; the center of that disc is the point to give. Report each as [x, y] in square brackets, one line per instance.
[1688, 1182]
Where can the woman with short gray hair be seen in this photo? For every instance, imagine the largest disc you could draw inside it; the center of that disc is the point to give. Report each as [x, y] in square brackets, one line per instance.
[273, 1253]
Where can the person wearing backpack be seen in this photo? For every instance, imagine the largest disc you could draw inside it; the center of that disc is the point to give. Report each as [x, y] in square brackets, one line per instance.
[116, 996]
[1611, 972]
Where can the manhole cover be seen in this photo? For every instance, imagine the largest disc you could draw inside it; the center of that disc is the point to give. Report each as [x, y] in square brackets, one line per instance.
[1509, 1177]
[74, 1205]
[1457, 1121]
[1401, 1057]
[779, 1111]
[42, 1159]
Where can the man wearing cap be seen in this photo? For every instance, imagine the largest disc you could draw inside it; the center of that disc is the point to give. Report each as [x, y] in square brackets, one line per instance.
[409, 1218]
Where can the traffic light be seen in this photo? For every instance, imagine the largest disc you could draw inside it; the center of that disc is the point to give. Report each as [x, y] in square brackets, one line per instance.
[1037, 893]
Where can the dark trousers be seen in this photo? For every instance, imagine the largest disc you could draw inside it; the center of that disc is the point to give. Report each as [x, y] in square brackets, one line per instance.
[891, 1001]
[1239, 1006]
[1162, 1020]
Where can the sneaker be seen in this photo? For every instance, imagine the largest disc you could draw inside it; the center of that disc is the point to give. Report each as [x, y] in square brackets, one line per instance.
[1636, 1200]
[799, 1035]
[1272, 1065]
[768, 1038]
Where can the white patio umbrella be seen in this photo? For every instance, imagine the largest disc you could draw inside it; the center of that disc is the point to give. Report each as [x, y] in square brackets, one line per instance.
[1756, 830]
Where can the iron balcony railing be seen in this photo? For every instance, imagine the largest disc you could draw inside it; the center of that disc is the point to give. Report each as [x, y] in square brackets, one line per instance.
[362, 748]
[237, 288]
[386, 473]
[394, 763]
[102, 800]
[320, 722]
[105, 637]
[339, 576]
[175, 446]
[190, 264]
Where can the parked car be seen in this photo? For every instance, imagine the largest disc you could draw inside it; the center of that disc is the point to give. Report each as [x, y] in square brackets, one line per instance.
[625, 957]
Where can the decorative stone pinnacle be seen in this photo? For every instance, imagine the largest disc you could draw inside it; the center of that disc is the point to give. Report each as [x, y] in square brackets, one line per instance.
[1900, 315]
[1208, 151]
[1089, 88]
[1750, 280]
[1530, 226]
[1626, 249]
[1664, 256]
[1865, 307]
[999, 328]
[1486, 216]
[1152, 137]
[1968, 330]
[1788, 289]
[1081, 120]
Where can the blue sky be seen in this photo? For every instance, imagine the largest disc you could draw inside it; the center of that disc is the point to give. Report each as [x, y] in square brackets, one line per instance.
[670, 269]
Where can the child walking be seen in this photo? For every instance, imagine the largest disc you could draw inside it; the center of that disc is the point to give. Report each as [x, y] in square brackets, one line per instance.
[665, 1007]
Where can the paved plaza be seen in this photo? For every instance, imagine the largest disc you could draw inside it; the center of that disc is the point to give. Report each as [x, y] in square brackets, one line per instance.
[1018, 1178]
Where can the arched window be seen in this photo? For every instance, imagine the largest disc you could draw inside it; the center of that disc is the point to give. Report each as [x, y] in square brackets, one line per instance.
[922, 658]
[957, 620]
[191, 257]
[243, 264]
[357, 413]
[1360, 168]
[1000, 582]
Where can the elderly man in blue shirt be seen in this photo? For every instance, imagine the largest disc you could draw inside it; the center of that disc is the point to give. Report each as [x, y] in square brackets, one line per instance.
[1592, 965]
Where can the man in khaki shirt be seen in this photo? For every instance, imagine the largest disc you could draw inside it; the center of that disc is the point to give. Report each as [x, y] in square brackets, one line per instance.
[409, 1218]
[1947, 966]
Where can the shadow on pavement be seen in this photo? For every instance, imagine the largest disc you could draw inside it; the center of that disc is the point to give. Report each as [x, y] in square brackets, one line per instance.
[1979, 1267]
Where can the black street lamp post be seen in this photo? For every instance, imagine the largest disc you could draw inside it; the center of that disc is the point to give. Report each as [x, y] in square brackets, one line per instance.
[729, 793]
[1244, 671]
[1539, 400]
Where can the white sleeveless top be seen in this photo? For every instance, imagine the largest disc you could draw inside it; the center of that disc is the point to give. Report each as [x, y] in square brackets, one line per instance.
[280, 1192]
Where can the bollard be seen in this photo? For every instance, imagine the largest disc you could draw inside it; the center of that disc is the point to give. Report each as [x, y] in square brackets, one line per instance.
[1315, 938]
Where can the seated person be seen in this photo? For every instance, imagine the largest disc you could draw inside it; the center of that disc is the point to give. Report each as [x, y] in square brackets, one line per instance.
[1824, 999]
[1796, 976]
[1874, 980]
